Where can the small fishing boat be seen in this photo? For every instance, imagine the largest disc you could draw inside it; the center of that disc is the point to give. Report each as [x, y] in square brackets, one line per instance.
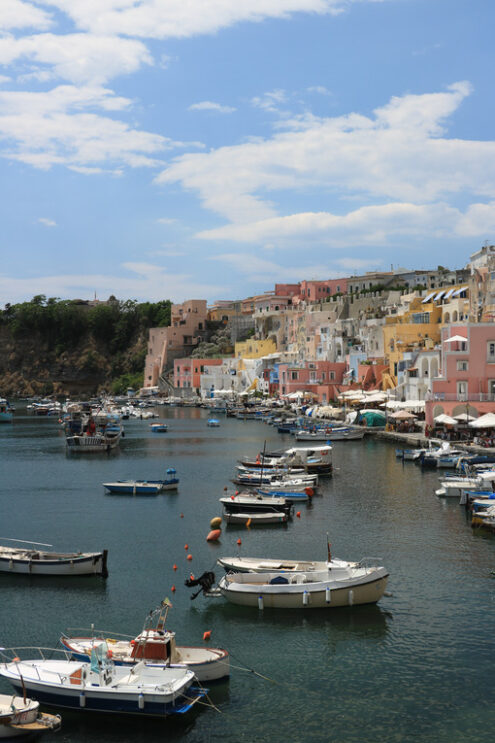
[6, 415]
[99, 442]
[291, 496]
[143, 487]
[251, 503]
[155, 644]
[33, 561]
[159, 427]
[337, 433]
[100, 685]
[213, 422]
[21, 717]
[338, 584]
[267, 565]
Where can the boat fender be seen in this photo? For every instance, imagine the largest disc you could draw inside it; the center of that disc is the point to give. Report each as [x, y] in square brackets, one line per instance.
[260, 603]
[248, 523]
[141, 701]
[207, 635]
[82, 699]
[328, 597]
[351, 598]
[305, 598]
[214, 535]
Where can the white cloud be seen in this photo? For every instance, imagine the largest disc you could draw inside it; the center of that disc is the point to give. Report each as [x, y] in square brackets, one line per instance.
[142, 281]
[270, 101]
[79, 58]
[160, 19]
[4, 79]
[319, 89]
[20, 14]
[47, 222]
[59, 127]
[211, 106]
[400, 153]
[261, 271]
[166, 220]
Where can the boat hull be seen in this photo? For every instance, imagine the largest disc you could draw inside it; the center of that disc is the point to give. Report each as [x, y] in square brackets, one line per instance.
[307, 597]
[89, 565]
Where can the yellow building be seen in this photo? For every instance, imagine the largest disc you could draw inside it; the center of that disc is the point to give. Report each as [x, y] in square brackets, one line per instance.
[418, 328]
[254, 349]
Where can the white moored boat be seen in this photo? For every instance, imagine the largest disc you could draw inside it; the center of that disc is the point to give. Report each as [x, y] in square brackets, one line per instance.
[21, 717]
[339, 584]
[101, 686]
[33, 561]
[156, 645]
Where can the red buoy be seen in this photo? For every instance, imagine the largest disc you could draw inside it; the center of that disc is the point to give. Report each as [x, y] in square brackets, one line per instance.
[174, 566]
[214, 535]
[189, 557]
[207, 635]
[173, 589]
[239, 542]
[298, 514]
[182, 515]
[186, 546]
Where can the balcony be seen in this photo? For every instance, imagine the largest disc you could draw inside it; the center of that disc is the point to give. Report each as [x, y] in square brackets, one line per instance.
[466, 397]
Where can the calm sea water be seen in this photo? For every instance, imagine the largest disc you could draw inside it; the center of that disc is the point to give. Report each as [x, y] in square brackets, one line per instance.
[416, 667]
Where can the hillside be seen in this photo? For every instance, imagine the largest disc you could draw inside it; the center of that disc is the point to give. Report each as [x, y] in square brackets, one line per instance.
[72, 347]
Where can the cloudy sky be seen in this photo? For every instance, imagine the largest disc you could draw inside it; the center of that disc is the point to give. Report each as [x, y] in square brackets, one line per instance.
[208, 148]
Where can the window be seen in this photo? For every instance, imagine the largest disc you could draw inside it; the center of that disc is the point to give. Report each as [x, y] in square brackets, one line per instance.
[462, 390]
[294, 375]
[421, 318]
[462, 366]
[491, 351]
[332, 375]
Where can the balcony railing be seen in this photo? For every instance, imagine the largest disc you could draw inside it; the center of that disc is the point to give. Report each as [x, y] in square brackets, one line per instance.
[464, 397]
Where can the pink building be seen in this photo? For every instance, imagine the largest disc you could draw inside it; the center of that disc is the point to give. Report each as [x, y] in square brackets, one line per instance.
[322, 378]
[287, 290]
[187, 372]
[316, 291]
[466, 382]
[187, 328]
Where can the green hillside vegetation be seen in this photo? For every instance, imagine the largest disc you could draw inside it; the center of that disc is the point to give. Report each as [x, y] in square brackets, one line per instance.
[100, 345]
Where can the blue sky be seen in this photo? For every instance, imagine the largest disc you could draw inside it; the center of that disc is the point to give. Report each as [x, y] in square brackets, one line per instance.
[208, 148]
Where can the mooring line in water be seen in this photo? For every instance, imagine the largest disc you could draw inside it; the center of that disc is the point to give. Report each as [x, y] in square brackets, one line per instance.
[244, 667]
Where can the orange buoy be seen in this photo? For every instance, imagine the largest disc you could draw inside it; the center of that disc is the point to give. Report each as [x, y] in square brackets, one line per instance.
[309, 492]
[189, 557]
[173, 589]
[191, 576]
[215, 522]
[239, 542]
[214, 535]
[207, 635]
[298, 514]
[174, 566]
[225, 487]
[186, 546]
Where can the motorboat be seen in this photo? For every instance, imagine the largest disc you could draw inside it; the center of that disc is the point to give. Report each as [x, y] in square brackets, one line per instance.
[293, 496]
[32, 561]
[159, 427]
[6, 414]
[246, 508]
[266, 565]
[100, 685]
[314, 459]
[21, 717]
[156, 645]
[250, 518]
[338, 584]
[454, 486]
[143, 487]
[213, 422]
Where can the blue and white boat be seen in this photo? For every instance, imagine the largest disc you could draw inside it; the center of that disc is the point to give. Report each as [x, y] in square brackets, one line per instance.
[290, 495]
[159, 427]
[143, 487]
[101, 685]
[213, 422]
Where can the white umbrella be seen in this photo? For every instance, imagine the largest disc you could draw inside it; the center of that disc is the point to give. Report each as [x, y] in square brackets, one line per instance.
[402, 415]
[484, 421]
[446, 420]
[455, 338]
[465, 417]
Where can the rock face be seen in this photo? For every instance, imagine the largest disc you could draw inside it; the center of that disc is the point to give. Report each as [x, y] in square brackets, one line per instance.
[30, 366]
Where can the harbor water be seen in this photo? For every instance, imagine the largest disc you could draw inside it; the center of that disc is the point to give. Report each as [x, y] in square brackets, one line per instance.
[416, 667]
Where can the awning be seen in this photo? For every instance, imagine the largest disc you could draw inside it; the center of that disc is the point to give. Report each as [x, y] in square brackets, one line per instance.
[449, 293]
[439, 295]
[428, 297]
[459, 291]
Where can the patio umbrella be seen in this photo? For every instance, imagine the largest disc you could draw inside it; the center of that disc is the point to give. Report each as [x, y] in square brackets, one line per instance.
[402, 415]
[446, 420]
[484, 421]
[463, 417]
[456, 338]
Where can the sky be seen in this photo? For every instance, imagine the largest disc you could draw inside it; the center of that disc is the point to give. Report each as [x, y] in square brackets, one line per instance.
[176, 149]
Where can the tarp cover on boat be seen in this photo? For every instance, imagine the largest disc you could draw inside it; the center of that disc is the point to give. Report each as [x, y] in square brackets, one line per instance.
[278, 579]
[373, 418]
